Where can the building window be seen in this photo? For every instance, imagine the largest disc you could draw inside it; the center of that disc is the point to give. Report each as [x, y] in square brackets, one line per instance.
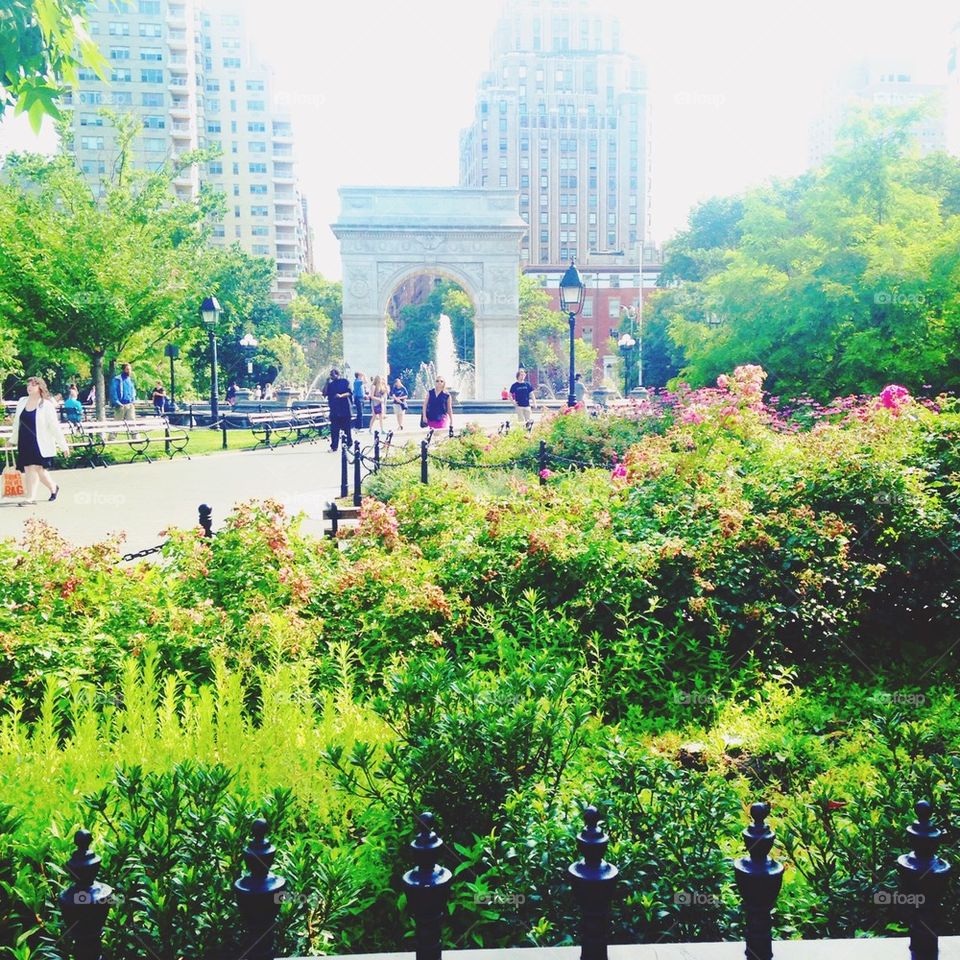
[91, 120]
[119, 29]
[614, 281]
[613, 308]
[213, 126]
[257, 126]
[260, 231]
[154, 123]
[503, 180]
[255, 86]
[261, 249]
[257, 146]
[258, 168]
[90, 97]
[258, 188]
[215, 167]
[120, 75]
[256, 105]
[151, 76]
[588, 306]
[149, 8]
[121, 98]
[213, 86]
[259, 212]
[231, 63]
[154, 145]
[154, 54]
[119, 53]
[236, 189]
[151, 30]
[91, 143]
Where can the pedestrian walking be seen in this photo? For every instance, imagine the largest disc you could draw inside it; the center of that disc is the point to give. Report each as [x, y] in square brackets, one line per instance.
[438, 406]
[337, 392]
[579, 390]
[123, 393]
[231, 395]
[522, 393]
[37, 435]
[378, 401]
[359, 395]
[399, 394]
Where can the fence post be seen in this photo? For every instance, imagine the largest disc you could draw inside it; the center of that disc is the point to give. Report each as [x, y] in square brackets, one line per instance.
[84, 905]
[334, 512]
[166, 442]
[423, 461]
[428, 887]
[542, 462]
[191, 416]
[376, 451]
[223, 427]
[206, 519]
[259, 895]
[923, 879]
[357, 464]
[758, 879]
[593, 880]
[344, 474]
[450, 431]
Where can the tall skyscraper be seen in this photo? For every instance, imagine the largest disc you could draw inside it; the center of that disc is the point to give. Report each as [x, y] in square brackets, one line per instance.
[192, 80]
[561, 115]
[879, 84]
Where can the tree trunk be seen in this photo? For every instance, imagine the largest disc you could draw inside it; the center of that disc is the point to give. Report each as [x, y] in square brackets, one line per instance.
[98, 382]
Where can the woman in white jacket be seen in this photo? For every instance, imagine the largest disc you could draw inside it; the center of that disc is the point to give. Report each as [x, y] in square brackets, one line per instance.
[37, 435]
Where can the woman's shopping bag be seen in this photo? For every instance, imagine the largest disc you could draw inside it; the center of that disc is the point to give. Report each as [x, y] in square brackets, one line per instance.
[12, 479]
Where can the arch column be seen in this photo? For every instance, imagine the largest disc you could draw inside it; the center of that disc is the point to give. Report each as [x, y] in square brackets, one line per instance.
[497, 351]
[365, 343]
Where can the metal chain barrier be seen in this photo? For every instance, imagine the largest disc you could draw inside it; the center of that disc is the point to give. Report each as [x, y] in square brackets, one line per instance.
[205, 521]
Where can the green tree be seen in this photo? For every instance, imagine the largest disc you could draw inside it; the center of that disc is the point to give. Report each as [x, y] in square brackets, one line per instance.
[85, 276]
[459, 308]
[316, 313]
[42, 45]
[838, 281]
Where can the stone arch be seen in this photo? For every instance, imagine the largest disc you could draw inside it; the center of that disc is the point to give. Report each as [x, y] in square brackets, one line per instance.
[390, 234]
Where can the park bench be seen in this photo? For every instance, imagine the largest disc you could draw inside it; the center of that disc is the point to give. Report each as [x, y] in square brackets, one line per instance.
[137, 435]
[77, 445]
[275, 427]
[337, 514]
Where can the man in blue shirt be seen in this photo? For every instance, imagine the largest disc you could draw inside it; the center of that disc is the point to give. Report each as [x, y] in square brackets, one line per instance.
[522, 393]
[359, 395]
[123, 393]
[72, 409]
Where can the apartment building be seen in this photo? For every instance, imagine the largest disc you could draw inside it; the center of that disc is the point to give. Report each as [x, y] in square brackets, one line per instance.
[193, 81]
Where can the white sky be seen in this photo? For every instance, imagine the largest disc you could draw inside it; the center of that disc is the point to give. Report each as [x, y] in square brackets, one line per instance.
[379, 90]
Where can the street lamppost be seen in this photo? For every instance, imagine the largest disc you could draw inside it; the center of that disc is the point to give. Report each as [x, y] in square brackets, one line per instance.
[210, 314]
[571, 302]
[626, 344]
[249, 343]
[172, 351]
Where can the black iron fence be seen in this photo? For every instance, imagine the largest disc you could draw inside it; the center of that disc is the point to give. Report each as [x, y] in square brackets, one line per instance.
[259, 893]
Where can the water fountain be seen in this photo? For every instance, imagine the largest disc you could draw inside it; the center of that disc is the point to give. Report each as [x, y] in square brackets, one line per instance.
[459, 374]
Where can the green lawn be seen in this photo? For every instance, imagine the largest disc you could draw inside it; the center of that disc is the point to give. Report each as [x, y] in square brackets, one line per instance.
[202, 441]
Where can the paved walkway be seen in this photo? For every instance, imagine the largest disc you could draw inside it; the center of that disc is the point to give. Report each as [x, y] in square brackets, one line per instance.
[142, 499]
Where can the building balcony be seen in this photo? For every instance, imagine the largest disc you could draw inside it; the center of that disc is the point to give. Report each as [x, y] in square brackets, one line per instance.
[176, 83]
[279, 177]
[180, 110]
[177, 39]
[281, 199]
[177, 16]
[180, 130]
[283, 136]
[280, 218]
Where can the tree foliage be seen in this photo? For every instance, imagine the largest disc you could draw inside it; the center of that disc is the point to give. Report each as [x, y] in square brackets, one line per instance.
[838, 281]
[317, 319]
[42, 44]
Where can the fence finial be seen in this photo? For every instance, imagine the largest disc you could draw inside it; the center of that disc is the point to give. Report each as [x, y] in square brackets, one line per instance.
[593, 881]
[84, 905]
[259, 895]
[428, 887]
[923, 879]
[759, 879]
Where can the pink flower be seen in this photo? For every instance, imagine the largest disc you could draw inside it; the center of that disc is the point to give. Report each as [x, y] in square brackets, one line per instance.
[546, 473]
[619, 472]
[723, 381]
[691, 415]
[893, 397]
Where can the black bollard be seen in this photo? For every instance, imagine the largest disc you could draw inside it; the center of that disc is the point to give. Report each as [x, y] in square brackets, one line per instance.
[376, 451]
[206, 519]
[357, 464]
[542, 462]
[223, 428]
[450, 431]
[758, 879]
[259, 895]
[423, 461]
[593, 880]
[191, 416]
[84, 905]
[344, 472]
[166, 442]
[923, 879]
[428, 887]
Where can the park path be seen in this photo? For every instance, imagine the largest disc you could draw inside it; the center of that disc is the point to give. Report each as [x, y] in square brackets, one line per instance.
[142, 499]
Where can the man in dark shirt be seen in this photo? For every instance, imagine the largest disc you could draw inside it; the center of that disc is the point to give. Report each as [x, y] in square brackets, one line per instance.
[522, 394]
[337, 392]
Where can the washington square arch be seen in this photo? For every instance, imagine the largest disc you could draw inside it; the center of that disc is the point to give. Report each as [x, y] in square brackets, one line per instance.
[390, 234]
